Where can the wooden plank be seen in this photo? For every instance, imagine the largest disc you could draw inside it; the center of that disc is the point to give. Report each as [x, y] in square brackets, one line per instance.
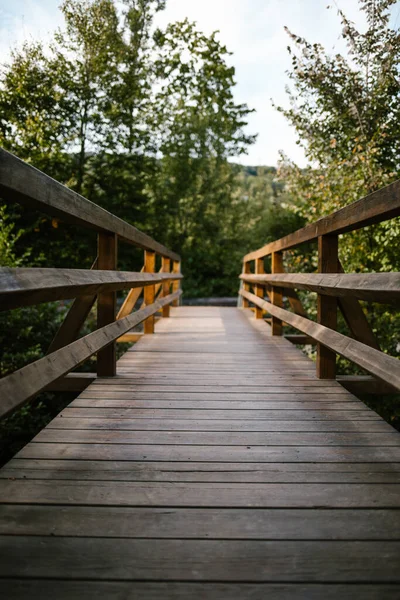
[196, 475]
[246, 269]
[18, 387]
[227, 424]
[240, 454]
[176, 268]
[74, 320]
[319, 412]
[328, 246]
[73, 323]
[375, 362]
[356, 320]
[259, 290]
[107, 250]
[379, 206]
[149, 292]
[186, 467]
[183, 523]
[150, 590]
[212, 405]
[29, 186]
[276, 294]
[377, 287]
[129, 303]
[166, 287]
[28, 286]
[197, 560]
[219, 438]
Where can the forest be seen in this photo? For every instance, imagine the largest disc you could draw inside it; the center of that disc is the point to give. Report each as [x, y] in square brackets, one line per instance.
[144, 122]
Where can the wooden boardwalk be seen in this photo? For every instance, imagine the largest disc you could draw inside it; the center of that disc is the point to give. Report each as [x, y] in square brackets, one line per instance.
[214, 466]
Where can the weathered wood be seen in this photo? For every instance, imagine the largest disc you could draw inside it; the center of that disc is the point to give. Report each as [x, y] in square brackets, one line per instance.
[22, 385]
[356, 320]
[209, 438]
[74, 320]
[276, 294]
[227, 424]
[201, 560]
[377, 287]
[28, 286]
[107, 303]
[129, 303]
[257, 495]
[149, 292]
[375, 362]
[183, 523]
[292, 496]
[29, 186]
[166, 287]
[316, 412]
[169, 473]
[214, 455]
[379, 206]
[151, 590]
[259, 291]
[327, 305]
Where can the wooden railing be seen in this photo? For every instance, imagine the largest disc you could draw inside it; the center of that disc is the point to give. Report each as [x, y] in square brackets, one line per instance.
[334, 289]
[24, 184]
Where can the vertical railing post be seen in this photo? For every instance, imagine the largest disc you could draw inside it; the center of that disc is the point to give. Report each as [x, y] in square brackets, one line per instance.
[149, 290]
[106, 303]
[277, 294]
[259, 289]
[327, 305]
[166, 286]
[246, 286]
[176, 268]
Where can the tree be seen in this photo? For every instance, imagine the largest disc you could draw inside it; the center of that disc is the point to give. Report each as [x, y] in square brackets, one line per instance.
[346, 112]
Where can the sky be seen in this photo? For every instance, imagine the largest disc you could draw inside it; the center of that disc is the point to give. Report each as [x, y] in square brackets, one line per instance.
[252, 29]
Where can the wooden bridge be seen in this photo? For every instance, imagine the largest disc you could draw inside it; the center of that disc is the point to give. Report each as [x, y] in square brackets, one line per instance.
[212, 461]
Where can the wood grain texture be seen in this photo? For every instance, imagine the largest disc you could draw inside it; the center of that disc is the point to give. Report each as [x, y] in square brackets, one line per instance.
[107, 259]
[150, 590]
[18, 387]
[375, 362]
[328, 246]
[377, 287]
[214, 465]
[28, 286]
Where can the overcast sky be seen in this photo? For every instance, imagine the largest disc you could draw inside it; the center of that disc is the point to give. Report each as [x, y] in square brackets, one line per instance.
[251, 29]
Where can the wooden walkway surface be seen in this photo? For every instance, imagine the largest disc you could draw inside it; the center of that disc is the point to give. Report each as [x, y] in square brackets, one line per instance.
[215, 466]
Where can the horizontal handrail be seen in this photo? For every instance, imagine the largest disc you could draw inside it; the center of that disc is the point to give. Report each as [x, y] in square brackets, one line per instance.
[374, 361]
[379, 206]
[379, 287]
[28, 286]
[29, 186]
[20, 386]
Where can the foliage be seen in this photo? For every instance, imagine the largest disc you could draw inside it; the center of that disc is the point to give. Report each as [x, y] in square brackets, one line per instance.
[345, 110]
